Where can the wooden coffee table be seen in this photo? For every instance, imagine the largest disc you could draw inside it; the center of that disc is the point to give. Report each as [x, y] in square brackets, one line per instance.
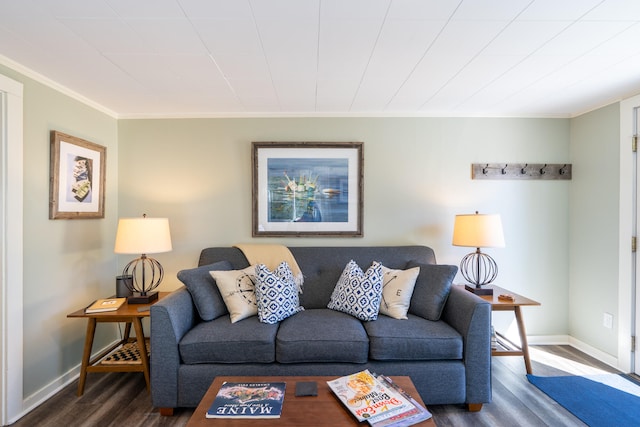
[322, 410]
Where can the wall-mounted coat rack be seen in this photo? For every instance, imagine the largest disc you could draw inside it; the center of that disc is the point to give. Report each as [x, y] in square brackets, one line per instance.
[552, 171]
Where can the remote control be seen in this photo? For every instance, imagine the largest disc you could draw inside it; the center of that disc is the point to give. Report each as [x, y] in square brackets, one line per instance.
[145, 308]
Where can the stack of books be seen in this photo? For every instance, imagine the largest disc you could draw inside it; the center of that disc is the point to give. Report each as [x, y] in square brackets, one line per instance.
[377, 400]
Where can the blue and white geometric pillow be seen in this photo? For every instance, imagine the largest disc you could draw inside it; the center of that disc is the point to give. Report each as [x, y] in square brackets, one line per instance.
[276, 293]
[358, 293]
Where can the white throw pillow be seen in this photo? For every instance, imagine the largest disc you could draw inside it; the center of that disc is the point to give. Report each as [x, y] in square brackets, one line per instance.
[397, 289]
[238, 290]
[358, 293]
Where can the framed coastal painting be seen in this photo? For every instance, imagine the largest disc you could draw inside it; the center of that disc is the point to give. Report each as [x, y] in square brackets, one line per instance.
[307, 189]
[77, 178]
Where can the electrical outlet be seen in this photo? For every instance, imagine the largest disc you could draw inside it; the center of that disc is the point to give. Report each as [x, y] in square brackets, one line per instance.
[607, 320]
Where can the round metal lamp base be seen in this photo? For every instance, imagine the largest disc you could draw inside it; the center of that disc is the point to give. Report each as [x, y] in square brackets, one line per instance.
[145, 275]
[479, 270]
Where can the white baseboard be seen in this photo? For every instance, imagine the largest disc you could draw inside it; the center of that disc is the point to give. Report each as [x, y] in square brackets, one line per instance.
[573, 342]
[548, 340]
[36, 399]
[594, 352]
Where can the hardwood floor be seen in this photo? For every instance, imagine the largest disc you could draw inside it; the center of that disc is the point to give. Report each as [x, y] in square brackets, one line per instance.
[117, 399]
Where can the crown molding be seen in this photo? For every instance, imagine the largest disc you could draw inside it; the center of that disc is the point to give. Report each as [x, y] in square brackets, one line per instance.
[28, 72]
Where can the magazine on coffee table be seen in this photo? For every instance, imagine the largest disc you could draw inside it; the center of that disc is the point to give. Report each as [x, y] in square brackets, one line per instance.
[248, 400]
[410, 417]
[377, 400]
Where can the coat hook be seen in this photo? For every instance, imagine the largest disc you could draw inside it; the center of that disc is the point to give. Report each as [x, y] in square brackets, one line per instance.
[504, 169]
[524, 169]
[543, 171]
[485, 169]
[562, 170]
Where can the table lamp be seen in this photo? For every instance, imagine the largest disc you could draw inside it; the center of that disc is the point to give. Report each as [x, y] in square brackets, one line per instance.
[478, 231]
[143, 236]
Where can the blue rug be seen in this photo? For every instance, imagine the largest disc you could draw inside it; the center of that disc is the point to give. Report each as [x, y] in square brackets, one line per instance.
[594, 402]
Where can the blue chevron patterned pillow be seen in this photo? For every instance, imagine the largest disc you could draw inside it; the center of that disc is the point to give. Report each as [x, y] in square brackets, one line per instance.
[358, 293]
[276, 293]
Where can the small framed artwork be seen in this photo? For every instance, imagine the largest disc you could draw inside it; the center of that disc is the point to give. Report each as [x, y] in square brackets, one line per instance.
[307, 189]
[77, 178]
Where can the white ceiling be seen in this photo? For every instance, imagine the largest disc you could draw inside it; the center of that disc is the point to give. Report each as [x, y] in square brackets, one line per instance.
[195, 58]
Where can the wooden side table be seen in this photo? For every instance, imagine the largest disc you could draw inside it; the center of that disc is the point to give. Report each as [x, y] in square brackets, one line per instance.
[505, 346]
[128, 314]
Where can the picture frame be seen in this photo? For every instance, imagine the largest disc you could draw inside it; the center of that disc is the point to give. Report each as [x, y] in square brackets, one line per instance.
[77, 178]
[307, 189]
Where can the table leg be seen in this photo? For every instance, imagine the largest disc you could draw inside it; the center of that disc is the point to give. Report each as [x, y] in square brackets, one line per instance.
[523, 339]
[127, 331]
[142, 348]
[86, 355]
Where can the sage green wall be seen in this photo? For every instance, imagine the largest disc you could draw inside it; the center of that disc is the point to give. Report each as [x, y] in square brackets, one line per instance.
[594, 227]
[67, 263]
[197, 172]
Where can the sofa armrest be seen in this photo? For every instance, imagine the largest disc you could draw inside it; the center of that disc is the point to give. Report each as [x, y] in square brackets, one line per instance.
[171, 318]
[470, 315]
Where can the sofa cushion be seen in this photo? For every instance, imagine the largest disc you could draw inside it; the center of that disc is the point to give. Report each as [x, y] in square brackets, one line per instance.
[432, 289]
[220, 341]
[412, 339]
[358, 293]
[238, 290]
[321, 335]
[276, 293]
[397, 288]
[204, 292]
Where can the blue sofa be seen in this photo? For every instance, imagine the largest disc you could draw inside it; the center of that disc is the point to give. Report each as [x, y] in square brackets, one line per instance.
[448, 359]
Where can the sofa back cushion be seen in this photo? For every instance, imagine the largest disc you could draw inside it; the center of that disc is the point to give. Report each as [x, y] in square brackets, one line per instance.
[323, 265]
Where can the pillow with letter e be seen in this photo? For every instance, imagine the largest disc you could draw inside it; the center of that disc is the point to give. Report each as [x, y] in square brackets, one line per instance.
[358, 293]
[397, 289]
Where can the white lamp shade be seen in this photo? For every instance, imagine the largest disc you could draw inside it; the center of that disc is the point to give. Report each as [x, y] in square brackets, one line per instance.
[478, 231]
[143, 236]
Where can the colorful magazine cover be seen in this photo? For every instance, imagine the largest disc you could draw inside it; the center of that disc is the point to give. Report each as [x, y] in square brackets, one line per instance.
[248, 400]
[367, 398]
